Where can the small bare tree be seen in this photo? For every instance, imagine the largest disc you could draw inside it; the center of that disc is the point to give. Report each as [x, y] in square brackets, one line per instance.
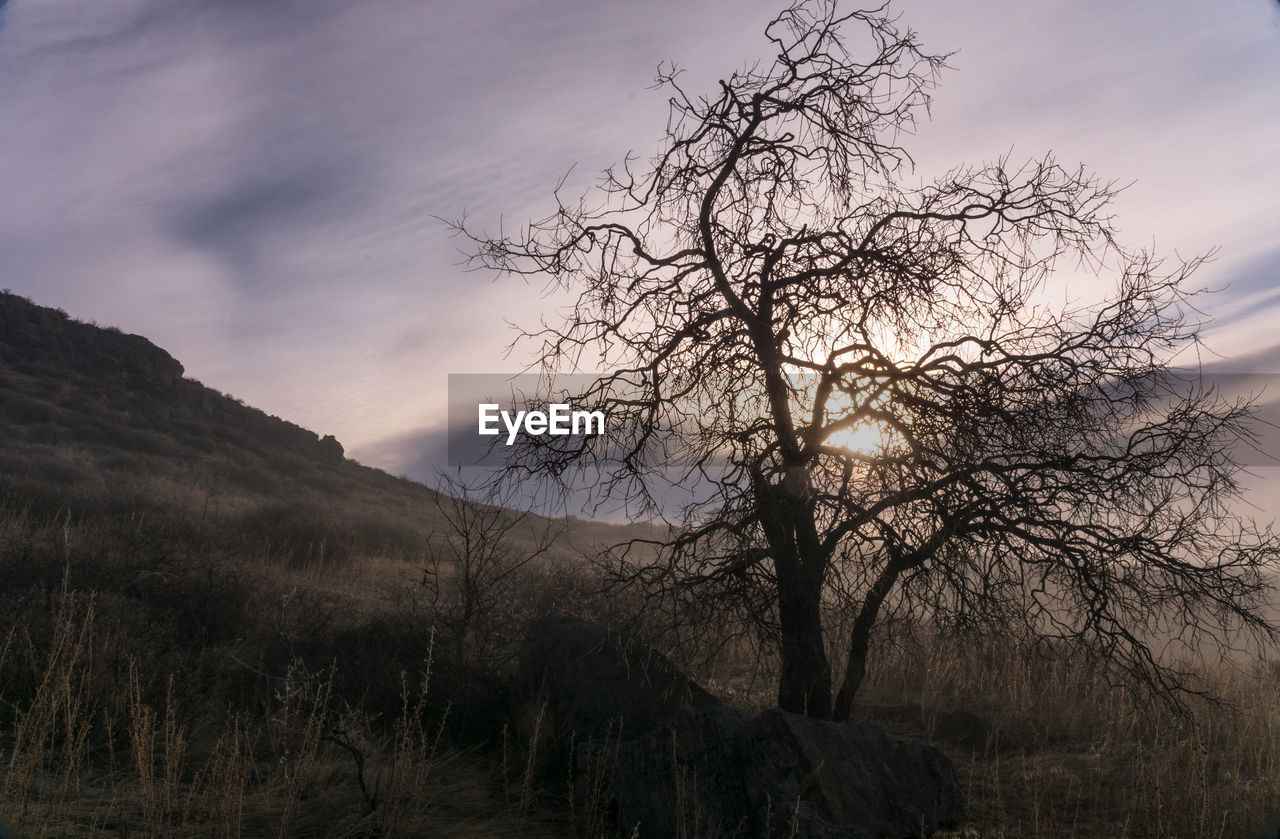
[477, 549]
[873, 388]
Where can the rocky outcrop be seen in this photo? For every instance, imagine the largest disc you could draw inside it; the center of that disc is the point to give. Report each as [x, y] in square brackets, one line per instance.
[103, 374]
[32, 334]
[331, 450]
[676, 760]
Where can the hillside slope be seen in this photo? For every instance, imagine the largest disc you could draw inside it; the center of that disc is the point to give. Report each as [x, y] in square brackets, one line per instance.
[95, 421]
[186, 579]
[84, 408]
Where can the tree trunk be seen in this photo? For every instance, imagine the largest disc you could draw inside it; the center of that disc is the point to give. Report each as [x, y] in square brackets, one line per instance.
[856, 666]
[860, 639]
[804, 686]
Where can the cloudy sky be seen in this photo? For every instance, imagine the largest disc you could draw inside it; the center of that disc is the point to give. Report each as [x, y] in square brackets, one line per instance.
[252, 183]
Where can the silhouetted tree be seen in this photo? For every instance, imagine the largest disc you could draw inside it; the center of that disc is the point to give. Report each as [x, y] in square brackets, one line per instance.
[873, 389]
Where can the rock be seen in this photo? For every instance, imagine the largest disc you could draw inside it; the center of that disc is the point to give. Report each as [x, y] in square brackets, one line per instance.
[958, 726]
[714, 772]
[593, 677]
[330, 449]
[685, 764]
[846, 780]
[682, 779]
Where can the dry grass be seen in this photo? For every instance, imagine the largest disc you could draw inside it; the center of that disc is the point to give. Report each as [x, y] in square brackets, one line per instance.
[1067, 755]
[136, 700]
[310, 767]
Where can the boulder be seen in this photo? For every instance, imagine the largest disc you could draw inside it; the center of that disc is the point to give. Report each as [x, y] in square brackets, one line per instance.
[965, 728]
[681, 779]
[958, 726]
[826, 780]
[676, 761]
[331, 450]
[594, 678]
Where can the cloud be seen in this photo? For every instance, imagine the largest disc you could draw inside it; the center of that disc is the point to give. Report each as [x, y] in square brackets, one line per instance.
[417, 454]
[1251, 294]
[253, 223]
[250, 182]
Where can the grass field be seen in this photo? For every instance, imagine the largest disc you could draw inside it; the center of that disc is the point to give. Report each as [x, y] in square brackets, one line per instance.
[164, 674]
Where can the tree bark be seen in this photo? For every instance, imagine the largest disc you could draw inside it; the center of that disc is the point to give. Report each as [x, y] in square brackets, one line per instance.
[860, 638]
[804, 686]
[856, 665]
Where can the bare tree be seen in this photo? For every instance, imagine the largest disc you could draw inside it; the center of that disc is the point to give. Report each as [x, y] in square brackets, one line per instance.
[478, 552]
[872, 386]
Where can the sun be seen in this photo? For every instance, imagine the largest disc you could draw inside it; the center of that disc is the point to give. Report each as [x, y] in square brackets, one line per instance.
[869, 438]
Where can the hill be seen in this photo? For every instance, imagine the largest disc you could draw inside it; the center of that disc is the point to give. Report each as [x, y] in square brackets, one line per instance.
[170, 555]
[93, 420]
